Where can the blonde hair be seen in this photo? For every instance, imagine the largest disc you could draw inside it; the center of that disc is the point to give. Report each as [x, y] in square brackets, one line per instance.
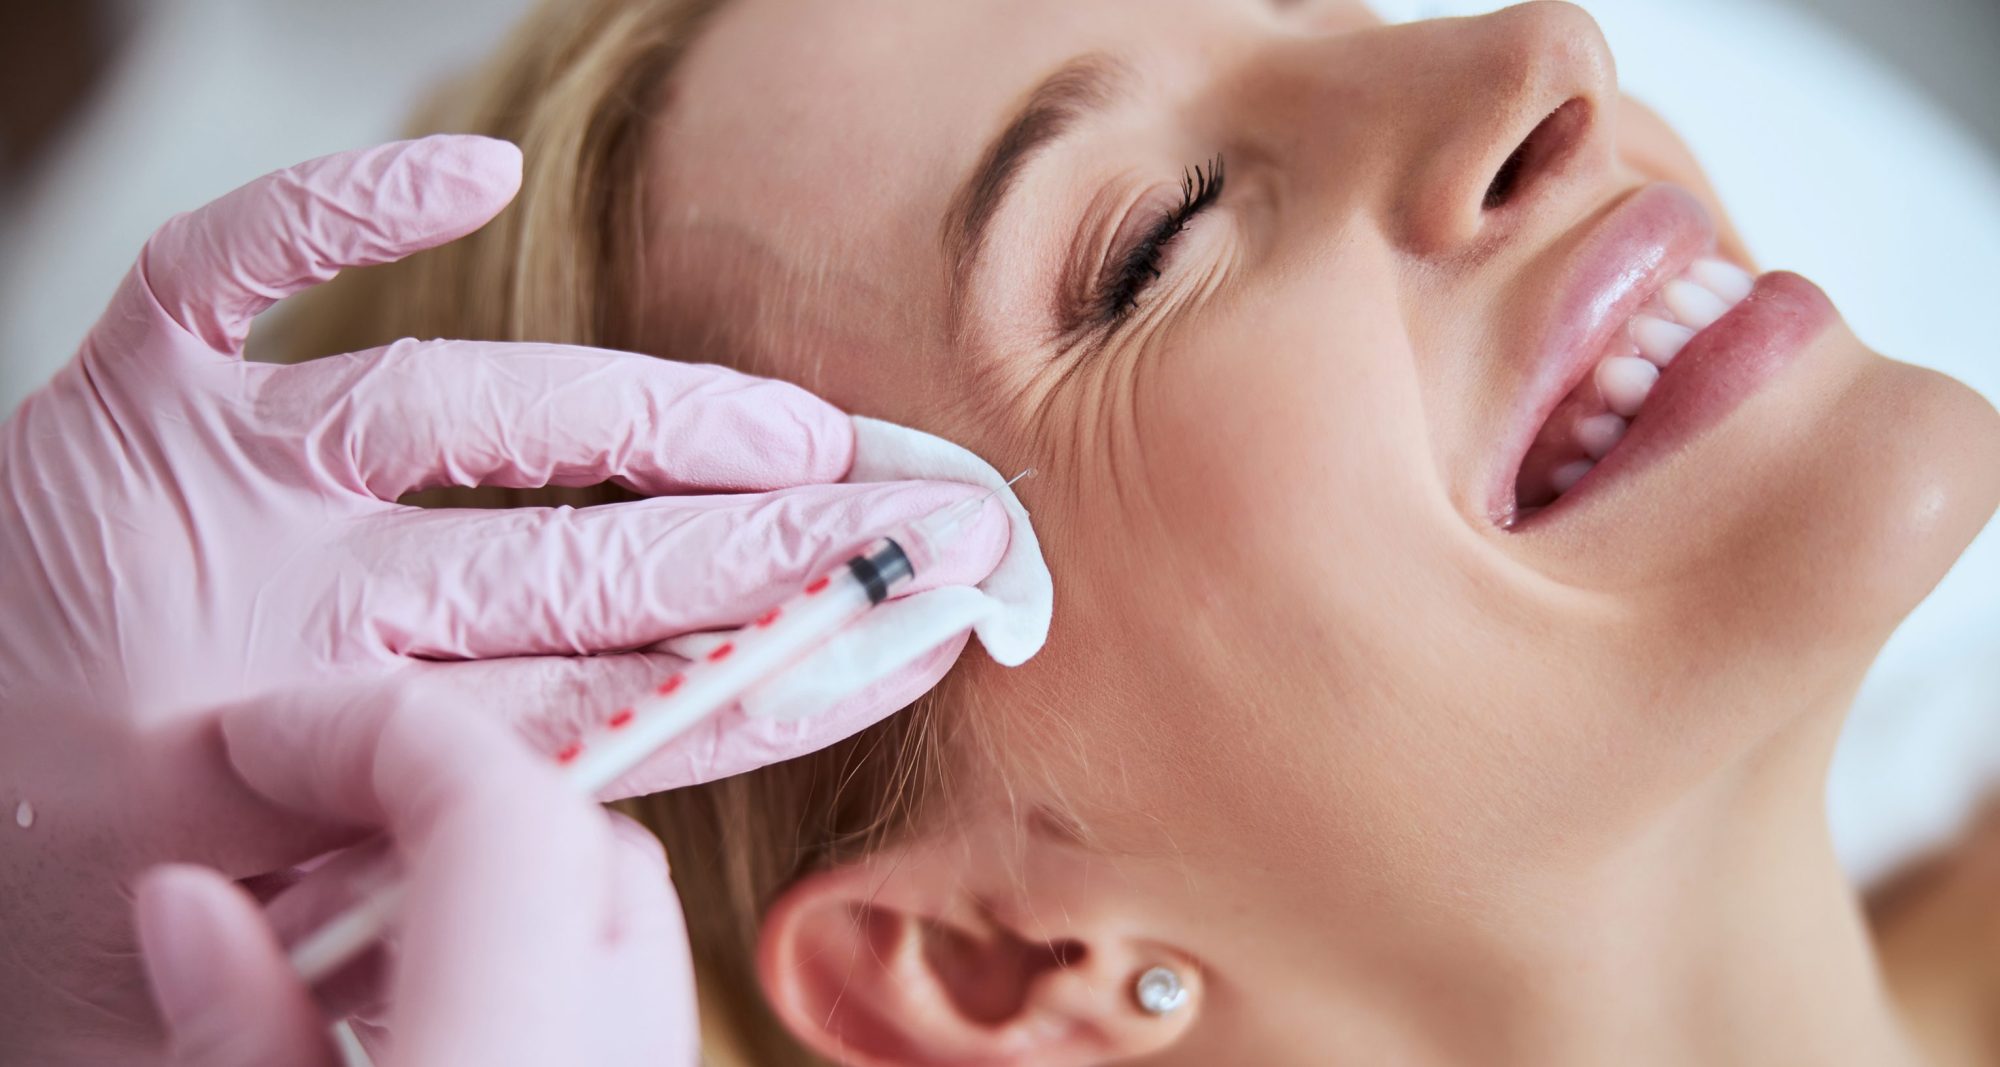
[579, 87]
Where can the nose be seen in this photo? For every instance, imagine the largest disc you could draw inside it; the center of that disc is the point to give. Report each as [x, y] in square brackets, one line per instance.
[1467, 126]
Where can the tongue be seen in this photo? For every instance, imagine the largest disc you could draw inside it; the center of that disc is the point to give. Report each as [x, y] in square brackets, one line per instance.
[1556, 446]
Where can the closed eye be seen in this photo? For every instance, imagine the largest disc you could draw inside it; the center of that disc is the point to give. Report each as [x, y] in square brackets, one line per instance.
[1129, 272]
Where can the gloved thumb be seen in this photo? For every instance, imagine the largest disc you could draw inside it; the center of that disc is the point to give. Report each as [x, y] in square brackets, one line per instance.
[225, 991]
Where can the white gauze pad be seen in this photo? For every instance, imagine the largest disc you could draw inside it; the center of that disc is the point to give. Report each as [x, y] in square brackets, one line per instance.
[1009, 611]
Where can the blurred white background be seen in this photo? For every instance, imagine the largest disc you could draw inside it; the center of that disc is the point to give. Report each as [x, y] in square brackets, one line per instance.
[1857, 141]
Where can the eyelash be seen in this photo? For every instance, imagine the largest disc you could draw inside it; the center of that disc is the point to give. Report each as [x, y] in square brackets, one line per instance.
[1137, 269]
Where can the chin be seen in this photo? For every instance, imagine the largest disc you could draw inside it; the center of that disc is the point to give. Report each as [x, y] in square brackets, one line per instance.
[1845, 494]
[1910, 476]
[1818, 517]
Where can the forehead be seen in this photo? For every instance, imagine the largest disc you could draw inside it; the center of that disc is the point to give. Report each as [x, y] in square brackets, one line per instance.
[839, 130]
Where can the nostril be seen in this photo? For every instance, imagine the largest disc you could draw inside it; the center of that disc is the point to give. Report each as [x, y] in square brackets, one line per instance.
[1507, 178]
[1537, 153]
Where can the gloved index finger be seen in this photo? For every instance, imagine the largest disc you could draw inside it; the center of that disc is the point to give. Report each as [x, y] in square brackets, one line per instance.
[421, 414]
[215, 268]
[521, 582]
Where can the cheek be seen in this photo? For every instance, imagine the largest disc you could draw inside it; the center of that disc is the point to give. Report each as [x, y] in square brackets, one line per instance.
[1295, 410]
[1287, 446]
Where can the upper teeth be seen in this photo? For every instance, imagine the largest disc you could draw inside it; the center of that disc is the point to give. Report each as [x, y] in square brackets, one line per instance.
[1659, 340]
[1625, 382]
[1625, 378]
[1724, 279]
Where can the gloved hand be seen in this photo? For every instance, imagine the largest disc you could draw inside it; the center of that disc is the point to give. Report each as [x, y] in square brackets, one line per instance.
[536, 928]
[180, 529]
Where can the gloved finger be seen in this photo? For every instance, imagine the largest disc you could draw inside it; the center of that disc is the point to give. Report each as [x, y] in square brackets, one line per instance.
[643, 915]
[506, 900]
[890, 638]
[417, 415]
[732, 742]
[553, 700]
[475, 585]
[650, 961]
[643, 898]
[550, 700]
[399, 753]
[505, 892]
[225, 991]
[547, 701]
[214, 269]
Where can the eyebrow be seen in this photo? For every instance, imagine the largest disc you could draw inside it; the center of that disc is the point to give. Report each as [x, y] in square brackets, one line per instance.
[1086, 84]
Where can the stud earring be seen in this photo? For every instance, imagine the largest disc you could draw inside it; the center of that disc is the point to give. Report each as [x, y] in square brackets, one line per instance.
[1160, 991]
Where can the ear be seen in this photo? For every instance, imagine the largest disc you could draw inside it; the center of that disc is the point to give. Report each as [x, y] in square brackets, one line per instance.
[895, 964]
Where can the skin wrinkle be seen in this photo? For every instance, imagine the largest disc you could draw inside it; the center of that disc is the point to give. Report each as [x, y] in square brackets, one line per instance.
[1202, 294]
[1084, 369]
[1115, 387]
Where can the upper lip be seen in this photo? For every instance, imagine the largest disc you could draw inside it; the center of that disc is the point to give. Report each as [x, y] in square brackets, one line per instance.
[1651, 235]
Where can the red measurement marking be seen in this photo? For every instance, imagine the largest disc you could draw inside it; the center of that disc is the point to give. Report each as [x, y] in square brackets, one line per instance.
[769, 617]
[667, 687]
[621, 717]
[721, 652]
[569, 753]
[819, 586]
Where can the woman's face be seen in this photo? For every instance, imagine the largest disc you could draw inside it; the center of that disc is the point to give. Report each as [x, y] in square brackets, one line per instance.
[1276, 299]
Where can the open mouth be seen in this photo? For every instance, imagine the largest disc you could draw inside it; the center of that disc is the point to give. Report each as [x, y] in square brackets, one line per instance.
[1648, 339]
[1593, 417]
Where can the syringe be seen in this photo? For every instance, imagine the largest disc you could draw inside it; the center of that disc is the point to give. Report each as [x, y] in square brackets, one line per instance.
[767, 647]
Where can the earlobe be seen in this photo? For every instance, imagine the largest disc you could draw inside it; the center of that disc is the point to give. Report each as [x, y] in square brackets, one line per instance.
[897, 966]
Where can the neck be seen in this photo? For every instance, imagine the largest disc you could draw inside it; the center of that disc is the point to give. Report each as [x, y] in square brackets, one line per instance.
[1723, 933]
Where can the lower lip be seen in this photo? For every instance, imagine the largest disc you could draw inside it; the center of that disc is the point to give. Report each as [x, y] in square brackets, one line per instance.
[1718, 370]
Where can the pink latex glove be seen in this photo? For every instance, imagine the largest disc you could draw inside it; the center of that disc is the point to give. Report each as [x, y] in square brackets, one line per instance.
[180, 529]
[538, 929]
